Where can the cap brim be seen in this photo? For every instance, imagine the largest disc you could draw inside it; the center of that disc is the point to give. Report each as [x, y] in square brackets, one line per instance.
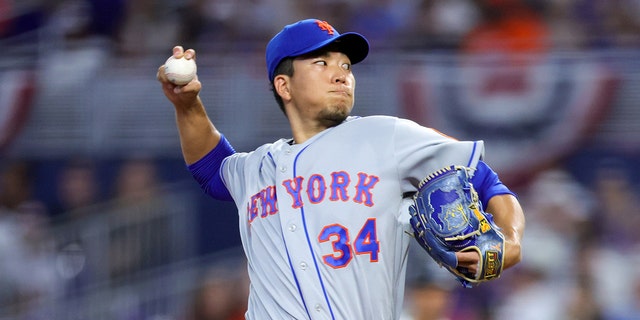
[354, 45]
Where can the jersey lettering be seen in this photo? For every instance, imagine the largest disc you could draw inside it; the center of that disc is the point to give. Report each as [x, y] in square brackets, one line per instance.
[363, 189]
[316, 188]
[269, 201]
[293, 187]
[339, 182]
[252, 207]
[265, 202]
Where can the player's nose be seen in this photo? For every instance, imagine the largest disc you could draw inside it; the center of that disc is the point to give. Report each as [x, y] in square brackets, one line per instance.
[339, 75]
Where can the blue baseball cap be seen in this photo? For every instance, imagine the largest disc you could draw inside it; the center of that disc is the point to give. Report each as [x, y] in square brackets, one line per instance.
[308, 35]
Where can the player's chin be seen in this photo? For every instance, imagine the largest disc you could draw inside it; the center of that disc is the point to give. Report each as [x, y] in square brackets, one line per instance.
[334, 117]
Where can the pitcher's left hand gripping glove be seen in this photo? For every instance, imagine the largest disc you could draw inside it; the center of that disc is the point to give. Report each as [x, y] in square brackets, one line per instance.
[447, 216]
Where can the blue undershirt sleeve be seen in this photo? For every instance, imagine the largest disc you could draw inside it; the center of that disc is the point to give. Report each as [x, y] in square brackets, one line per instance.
[207, 171]
[487, 184]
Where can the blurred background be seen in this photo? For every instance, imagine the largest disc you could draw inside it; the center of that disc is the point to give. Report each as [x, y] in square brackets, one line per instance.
[99, 218]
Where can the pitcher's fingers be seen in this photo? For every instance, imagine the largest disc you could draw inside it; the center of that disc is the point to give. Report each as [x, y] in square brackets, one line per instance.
[178, 52]
[190, 54]
[468, 261]
[160, 75]
[467, 258]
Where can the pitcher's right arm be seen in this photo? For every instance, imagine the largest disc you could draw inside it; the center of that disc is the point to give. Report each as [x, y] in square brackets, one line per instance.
[198, 135]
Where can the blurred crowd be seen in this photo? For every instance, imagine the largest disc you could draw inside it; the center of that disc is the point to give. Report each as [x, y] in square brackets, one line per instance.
[48, 244]
[473, 25]
[581, 247]
[143, 26]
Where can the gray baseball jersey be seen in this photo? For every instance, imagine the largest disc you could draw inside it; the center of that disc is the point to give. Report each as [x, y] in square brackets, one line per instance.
[323, 223]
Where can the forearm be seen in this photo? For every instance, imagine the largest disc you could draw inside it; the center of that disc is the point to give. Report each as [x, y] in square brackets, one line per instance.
[509, 216]
[198, 135]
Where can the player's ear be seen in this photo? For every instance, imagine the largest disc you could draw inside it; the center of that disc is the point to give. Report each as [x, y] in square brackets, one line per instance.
[281, 86]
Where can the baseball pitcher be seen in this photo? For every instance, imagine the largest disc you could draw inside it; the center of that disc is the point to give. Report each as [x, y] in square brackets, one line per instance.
[326, 216]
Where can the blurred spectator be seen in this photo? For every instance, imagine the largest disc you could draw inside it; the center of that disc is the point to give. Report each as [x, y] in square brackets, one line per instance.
[77, 188]
[376, 20]
[594, 23]
[27, 280]
[430, 293]
[617, 245]
[16, 189]
[619, 204]
[631, 310]
[623, 22]
[565, 29]
[507, 28]
[140, 233]
[219, 31]
[438, 24]
[559, 214]
[192, 23]
[561, 207]
[530, 295]
[222, 295]
[136, 183]
[592, 17]
[453, 18]
[582, 303]
[429, 300]
[237, 25]
[147, 27]
[337, 12]
[614, 281]
[94, 18]
[74, 215]
[258, 20]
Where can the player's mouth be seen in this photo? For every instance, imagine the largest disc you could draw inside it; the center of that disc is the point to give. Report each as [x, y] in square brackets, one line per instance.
[341, 92]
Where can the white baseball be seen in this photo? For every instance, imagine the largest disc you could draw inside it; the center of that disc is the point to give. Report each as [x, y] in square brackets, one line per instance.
[180, 71]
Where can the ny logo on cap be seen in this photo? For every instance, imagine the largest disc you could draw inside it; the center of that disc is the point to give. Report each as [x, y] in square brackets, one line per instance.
[325, 26]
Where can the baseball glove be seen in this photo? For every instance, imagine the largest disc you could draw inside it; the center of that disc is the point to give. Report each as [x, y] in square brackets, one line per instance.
[446, 216]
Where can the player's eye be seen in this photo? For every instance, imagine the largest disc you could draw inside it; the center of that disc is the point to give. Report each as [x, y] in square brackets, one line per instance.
[346, 66]
[320, 62]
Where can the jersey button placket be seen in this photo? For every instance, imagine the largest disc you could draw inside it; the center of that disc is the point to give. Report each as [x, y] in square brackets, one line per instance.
[287, 152]
[294, 234]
